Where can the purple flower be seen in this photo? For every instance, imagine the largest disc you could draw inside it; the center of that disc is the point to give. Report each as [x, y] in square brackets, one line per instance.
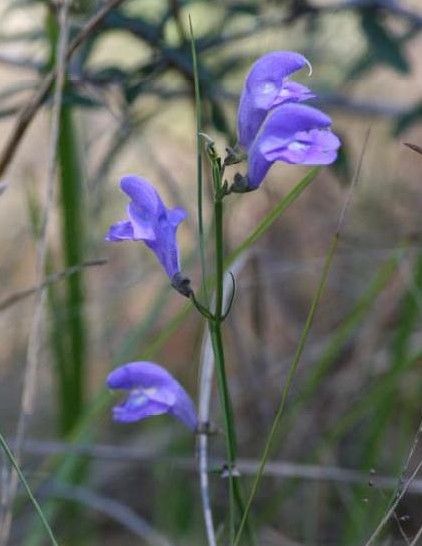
[150, 221]
[152, 391]
[267, 86]
[293, 133]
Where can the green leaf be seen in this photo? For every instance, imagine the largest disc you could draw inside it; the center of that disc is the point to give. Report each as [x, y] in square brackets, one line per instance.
[382, 43]
[246, 8]
[407, 119]
[272, 216]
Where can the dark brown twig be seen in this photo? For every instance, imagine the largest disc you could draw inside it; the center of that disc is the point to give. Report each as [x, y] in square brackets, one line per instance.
[31, 108]
[16, 297]
[414, 147]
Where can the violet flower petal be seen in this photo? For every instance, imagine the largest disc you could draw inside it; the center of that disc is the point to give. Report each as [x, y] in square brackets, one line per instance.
[293, 133]
[120, 231]
[176, 215]
[293, 92]
[144, 196]
[143, 227]
[266, 87]
[138, 409]
[152, 391]
[150, 221]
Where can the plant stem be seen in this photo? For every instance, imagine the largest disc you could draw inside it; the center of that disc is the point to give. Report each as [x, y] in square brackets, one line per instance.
[14, 463]
[235, 494]
[198, 116]
[286, 388]
[215, 332]
[218, 348]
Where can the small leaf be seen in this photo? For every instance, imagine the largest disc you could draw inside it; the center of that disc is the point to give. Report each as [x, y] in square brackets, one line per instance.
[382, 44]
[244, 7]
[408, 118]
[414, 147]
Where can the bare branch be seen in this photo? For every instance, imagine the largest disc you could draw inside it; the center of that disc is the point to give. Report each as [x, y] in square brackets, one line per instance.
[113, 509]
[35, 333]
[417, 537]
[51, 279]
[394, 505]
[31, 108]
[274, 469]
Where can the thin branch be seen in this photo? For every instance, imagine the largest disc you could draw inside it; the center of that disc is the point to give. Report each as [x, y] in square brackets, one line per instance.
[354, 182]
[9, 455]
[205, 388]
[416, 440]
[417, 537]
[34, 341]
[115, 510]
[262, 24]
[393, 7]
[31, 108]
[248, 467]
[393, 507]
[16, 297]
[19, 62]
[414, 147]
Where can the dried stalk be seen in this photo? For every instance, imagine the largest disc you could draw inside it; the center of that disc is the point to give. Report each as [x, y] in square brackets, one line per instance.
[35, 333]
[30, 109]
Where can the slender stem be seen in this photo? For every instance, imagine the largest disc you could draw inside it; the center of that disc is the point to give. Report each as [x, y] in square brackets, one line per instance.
[292, 371]
[218, 348]
[36, 327]
[219, 258]
[215, 331]
[235, 494]
[14, 463]
[198, 116]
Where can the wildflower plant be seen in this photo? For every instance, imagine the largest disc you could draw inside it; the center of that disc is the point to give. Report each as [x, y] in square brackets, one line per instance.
[273, 124]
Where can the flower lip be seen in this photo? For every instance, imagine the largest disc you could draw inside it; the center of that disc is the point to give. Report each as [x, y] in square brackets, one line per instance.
[152, 391]
[293, 133]
[267, 86]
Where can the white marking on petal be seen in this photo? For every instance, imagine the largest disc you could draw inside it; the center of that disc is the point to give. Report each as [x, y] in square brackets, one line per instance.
[137, 399]
[296, 146]
[150, 391]
[284, 93]
[267, 88]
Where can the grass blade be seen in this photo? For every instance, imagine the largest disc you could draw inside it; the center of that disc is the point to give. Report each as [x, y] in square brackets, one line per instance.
[25, 484]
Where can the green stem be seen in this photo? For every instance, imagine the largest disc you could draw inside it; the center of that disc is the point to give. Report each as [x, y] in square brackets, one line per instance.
[198, 116]
[215, 332]
[218, 348]
[235, 494]
[219, 258]
[25, 484]
[73, 243]
[71, 328]
[292, 371]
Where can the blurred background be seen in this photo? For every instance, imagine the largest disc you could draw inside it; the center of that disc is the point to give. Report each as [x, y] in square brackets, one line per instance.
[348, 439]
